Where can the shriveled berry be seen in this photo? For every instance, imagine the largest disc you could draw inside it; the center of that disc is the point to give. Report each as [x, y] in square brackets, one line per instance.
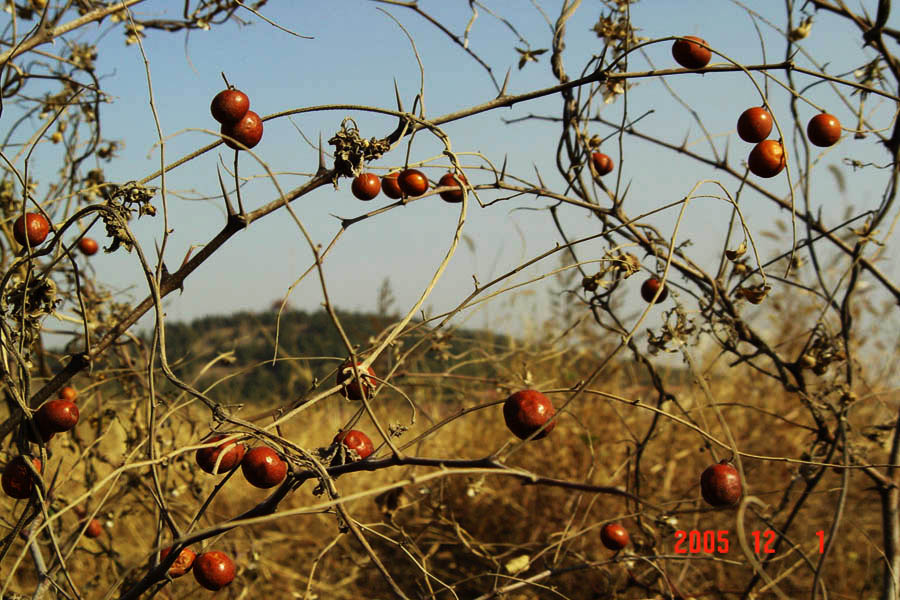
[356, 441]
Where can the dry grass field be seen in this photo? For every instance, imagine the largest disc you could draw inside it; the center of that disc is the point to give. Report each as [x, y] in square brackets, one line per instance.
[477, 532]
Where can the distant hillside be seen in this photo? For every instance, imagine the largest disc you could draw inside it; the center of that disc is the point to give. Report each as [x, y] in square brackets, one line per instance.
[245, 345]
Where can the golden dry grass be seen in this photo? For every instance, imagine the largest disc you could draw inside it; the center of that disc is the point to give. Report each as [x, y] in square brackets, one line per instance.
[464, 530]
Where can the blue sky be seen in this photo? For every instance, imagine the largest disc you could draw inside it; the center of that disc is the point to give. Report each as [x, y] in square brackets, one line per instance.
[356, 55]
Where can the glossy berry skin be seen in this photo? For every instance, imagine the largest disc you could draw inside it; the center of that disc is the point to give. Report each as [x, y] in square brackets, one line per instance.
[390, 187]
[614, 536]
[720, 485]
[182, 564]
[207, 457]
[37, 229]
[366, 186]
[449, 179]
[603, 164]
[88, 246]
[229, 106]
[248, 131]
[57, 415]
[754, 125]
[412, 182]
[526, 411]
[353, 390]
[824, 130]
[648, 290]
[766, 159]
[94, 529]
[67, 393]
[356, 441]
[17, 479]
[213, 570]
[689, 54]
[263, 468]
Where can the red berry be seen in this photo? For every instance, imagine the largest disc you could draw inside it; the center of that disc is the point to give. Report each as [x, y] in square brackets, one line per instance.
[526, 411]
[229, 106]
[366, 186]
[57, 415]
[766, 159]
[263, 468]
[457, 181]
[720, 484]
[248, 131]
[88, 246]
[390, 187]
[648, 290]
[689, 53]
[17, 479]
[824, 130]
[37, 227]
[94, 529]
[353, 390]
[67, 393]
[213, 570]
[207, 457]
[614, 536]
[603, 164]
[356, 441]
[182, 564]
[754, 125]
[412, 182]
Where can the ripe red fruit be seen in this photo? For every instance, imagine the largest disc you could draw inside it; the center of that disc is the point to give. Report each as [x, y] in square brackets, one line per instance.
[356, 441]
[229, 106]
[94, 529]
[353, 390]
[526, 411]
[207, 457]
[182, 564]
[88, 246]
[754, 125]
[263, 468]
[17, 479]
[412, 182]
[824, 130]
[57, 415]
[248, 131]
[766, 159]
[648, 290]
[449, 179]
[213, 570]
[37, 227]
[366, 186]
[603, 164]
[390, 187]
[67, 393]
[614, 536]
[690, 54]
[720, 484]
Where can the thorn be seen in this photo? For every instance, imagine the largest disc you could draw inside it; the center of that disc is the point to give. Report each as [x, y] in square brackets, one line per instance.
[397, 94]
[503, 170]
[540, 180]
[228, 207]
[166, 276]
[625, 193]
[505, 82]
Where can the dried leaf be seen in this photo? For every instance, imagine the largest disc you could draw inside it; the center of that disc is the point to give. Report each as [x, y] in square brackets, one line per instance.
[755, 294]
[733, 255]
